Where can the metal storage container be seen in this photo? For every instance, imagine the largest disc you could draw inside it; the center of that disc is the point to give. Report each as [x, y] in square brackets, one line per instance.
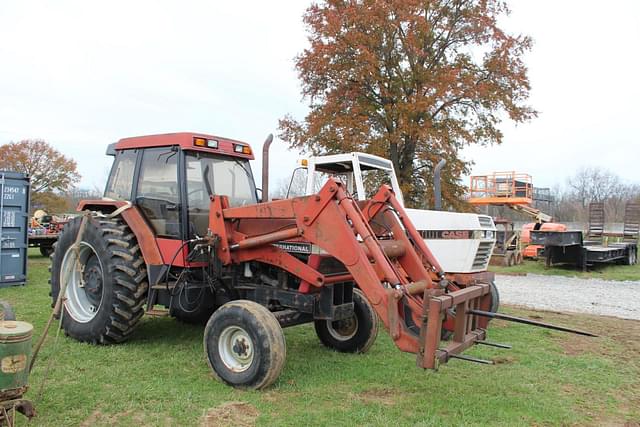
[14, 221]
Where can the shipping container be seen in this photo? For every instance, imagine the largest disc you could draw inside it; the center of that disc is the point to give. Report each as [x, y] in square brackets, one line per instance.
[14, 214]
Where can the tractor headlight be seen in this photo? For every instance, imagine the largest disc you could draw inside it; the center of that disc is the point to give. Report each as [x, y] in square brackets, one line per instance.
[204, 142]
[242, 149]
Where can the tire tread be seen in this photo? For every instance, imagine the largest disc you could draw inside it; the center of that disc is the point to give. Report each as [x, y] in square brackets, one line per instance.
[129, 279]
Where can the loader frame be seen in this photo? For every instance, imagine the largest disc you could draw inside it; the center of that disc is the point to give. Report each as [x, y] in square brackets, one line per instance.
[399, 276]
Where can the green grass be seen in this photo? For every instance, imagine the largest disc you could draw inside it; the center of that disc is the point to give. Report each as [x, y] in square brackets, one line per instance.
[605, 271]
[160, 377]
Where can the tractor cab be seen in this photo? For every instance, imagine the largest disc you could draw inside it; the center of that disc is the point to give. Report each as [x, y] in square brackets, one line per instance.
[170, 179]
[462, 242]
[362, 173]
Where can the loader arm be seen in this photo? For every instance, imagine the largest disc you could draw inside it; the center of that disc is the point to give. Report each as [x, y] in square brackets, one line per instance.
[535, 213]
[398, 275]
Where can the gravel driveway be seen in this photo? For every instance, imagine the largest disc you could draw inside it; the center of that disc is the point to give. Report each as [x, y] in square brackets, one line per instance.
[593, 296]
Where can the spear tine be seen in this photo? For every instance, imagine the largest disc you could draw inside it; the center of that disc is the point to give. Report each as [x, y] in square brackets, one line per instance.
[529, 322]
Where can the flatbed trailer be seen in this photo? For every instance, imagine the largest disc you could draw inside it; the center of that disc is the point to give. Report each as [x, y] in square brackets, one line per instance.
[44, 242]
[569, 247]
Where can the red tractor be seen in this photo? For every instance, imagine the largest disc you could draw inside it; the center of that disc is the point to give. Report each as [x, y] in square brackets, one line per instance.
[180, 226]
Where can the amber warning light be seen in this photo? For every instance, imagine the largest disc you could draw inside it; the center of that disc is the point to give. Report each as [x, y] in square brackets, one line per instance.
[244, 149]
[203, 142]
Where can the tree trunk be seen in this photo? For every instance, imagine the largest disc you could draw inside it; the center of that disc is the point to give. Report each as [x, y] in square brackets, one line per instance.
[393, 151]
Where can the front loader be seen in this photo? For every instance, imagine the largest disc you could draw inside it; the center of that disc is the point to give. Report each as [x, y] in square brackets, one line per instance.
[180, 232]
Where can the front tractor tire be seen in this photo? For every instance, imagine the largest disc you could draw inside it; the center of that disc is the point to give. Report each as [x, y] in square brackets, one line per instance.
[107, 285]
[355, 334]
[244, 345]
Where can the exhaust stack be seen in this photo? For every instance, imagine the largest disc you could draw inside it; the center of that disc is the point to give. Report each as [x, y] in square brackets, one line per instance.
[265, 167]
[437, 192]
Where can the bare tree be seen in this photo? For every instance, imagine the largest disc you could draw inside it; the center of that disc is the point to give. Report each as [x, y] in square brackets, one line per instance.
[75, 195]
[296, 184]
[292, 186]
[592, 184]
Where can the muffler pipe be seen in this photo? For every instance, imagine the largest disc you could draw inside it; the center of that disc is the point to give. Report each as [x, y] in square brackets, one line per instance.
[265, 167]
[437, 191]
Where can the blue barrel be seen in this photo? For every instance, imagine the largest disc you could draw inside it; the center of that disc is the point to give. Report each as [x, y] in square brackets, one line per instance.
[14, 221]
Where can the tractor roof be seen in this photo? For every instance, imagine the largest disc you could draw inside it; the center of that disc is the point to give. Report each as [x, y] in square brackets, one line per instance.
[343, 163]
[187, 141]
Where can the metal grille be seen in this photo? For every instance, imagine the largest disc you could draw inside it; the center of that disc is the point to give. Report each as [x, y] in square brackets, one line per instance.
[485, 221]
[482, 256]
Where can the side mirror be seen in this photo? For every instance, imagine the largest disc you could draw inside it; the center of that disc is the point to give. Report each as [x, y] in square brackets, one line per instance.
[111, 149]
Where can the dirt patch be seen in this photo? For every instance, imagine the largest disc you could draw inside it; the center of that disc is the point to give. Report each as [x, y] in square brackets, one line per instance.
[616, 423]
[497, 324]
[239, 414]
[503, 360]
[93, 419]
[617, 338]
[382, 396]
[573, 345]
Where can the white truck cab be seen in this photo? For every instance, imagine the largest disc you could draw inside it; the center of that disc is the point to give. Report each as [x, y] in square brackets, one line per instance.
[462, 242]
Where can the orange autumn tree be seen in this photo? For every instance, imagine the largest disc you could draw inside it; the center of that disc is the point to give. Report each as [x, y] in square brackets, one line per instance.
[414, 81]
[51, 172]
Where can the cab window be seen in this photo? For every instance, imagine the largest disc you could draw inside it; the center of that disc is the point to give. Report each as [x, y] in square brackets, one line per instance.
[121, 178]
[158, 193]
[225, 176]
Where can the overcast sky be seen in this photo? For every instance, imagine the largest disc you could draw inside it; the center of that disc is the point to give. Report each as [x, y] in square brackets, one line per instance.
[82, 74]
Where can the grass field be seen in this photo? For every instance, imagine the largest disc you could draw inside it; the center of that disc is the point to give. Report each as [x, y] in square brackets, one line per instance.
[160, 378]
[605, 271]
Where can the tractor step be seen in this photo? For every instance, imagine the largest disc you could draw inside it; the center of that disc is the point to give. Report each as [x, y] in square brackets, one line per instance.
[161, 286]
[156, 312]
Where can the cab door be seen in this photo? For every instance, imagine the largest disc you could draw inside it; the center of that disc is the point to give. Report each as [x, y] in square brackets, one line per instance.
[158, 192]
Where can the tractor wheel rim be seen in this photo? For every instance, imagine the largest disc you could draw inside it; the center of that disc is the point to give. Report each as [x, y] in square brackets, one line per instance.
[236, 349]
[343, 330]
[85, 289]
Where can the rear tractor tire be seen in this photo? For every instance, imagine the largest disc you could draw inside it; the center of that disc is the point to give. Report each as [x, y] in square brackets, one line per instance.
[353, 335]
[495, 297]
[244, 345]
[107, 285]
